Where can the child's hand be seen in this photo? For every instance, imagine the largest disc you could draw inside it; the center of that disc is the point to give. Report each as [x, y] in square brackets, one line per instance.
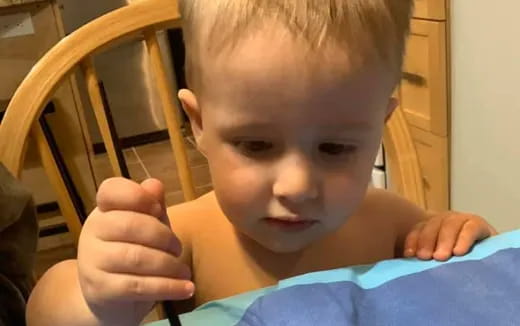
[128, 255]
[445, 235]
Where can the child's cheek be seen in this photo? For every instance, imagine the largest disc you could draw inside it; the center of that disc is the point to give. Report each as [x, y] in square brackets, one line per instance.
[242, 189]
[343, 194]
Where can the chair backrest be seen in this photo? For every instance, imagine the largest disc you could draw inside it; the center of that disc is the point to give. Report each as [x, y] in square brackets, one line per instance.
[401, 155]
[144, 17]
[139, 18]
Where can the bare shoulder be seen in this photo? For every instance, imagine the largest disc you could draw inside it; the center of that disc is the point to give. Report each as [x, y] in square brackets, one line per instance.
[383, 202]
[396, 212]
[384, 199]
[192, 210]
[189, 217]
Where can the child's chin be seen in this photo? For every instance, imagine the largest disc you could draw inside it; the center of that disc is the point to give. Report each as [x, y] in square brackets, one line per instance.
[286, 247]
[283, 243]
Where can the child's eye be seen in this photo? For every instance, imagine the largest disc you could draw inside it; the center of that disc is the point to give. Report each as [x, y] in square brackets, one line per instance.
[254, 146]
[335, 149]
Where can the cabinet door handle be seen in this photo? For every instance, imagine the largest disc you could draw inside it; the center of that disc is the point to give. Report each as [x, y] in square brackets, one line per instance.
[426, 182]
[414, 79]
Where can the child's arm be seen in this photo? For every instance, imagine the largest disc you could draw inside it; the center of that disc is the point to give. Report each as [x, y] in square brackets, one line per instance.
[128, 259]
[57, 299]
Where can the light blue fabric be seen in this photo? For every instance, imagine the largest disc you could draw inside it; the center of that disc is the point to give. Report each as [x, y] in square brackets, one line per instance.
[351, 293]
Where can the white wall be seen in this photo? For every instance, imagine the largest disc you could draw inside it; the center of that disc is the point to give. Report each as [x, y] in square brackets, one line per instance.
[486, 109]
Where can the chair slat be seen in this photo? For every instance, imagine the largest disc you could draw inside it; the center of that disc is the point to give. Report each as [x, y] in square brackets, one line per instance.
[45, 76]
[64, 201]
[98, 106]
[402, 156]
[171, 113]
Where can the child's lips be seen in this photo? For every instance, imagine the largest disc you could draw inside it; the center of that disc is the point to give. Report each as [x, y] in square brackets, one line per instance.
[289, 224]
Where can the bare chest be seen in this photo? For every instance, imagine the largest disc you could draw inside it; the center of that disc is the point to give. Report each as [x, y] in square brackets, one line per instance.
[225, 265]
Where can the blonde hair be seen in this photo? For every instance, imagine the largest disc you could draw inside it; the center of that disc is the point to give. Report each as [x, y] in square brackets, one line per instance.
[369, 29]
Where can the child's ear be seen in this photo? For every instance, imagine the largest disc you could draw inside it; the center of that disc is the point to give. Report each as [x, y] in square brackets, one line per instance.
[393, 103]
[191, 107]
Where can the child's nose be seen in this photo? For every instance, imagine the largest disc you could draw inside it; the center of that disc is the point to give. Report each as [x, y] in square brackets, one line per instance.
[296, 182]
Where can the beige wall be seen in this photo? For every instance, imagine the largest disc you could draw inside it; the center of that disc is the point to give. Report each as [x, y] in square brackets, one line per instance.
[486, 109]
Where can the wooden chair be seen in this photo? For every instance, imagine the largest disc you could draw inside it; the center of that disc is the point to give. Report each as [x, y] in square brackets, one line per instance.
[143, 18]
[140, 18]
[401, 157]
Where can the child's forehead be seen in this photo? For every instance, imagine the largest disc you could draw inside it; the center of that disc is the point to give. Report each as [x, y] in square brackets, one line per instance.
[258, 93]
[275, 79]
[268, 57]
[298, 123]
[251, 121]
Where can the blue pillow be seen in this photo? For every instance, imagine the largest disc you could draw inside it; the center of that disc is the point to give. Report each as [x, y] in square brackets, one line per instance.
[481, 288]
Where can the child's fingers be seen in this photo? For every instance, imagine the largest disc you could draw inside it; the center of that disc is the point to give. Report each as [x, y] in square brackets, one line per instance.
[126, 287]
[137, 228]
[410, 243]
[473, 230]
[155, 288]
[126, 258]
[448, 234]
[126, 195]
[156, 189]
[428, 238]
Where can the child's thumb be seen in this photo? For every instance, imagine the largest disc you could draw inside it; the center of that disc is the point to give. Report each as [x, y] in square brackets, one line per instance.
[156, 189]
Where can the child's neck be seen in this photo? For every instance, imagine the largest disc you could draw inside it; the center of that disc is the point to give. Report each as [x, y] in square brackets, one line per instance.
[277, 265]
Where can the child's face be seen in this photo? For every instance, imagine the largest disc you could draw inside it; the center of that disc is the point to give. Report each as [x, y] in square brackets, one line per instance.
[290, 138]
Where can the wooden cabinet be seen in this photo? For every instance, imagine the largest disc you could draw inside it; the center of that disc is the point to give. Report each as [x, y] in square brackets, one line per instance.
[432, 152]
[430, 9]
[424, 85]
[424, 97]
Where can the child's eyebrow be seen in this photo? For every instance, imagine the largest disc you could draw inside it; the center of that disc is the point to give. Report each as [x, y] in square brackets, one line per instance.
[235, 126]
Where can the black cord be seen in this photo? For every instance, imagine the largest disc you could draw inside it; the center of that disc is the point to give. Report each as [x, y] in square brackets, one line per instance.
[169, 309]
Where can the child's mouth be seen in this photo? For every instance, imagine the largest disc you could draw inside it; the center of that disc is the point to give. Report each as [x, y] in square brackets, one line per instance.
[289, 225]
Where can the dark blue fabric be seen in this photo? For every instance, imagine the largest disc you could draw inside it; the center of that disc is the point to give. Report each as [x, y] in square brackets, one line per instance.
[481, 292]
